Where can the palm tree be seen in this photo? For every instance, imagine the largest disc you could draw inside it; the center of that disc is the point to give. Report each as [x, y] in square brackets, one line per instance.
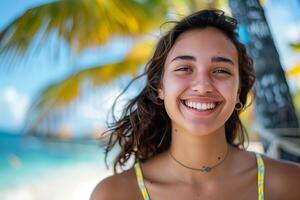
[88, 23]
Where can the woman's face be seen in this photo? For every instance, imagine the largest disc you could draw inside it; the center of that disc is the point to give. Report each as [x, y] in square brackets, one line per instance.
[201, 81]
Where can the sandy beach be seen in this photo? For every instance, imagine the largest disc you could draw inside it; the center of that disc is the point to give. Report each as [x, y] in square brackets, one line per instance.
[72, 182]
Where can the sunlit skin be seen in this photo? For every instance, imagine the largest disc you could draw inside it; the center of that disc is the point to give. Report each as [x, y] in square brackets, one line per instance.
[202, 67]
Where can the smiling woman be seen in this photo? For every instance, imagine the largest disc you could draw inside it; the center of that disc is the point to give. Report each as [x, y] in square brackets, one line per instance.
[201, 71]
[183, 130]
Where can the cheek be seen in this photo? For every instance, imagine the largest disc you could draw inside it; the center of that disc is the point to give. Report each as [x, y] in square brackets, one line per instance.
[172, 93]
[173, 88]
[229, 90]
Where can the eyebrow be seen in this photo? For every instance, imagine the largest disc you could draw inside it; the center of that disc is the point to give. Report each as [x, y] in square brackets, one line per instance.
[184, 57]
[221, 59]
[213, 59]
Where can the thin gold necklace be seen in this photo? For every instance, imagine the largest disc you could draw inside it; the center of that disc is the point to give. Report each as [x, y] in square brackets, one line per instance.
[204, 168]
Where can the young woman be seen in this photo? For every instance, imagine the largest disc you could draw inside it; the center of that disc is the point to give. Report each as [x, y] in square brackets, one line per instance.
[184, 130]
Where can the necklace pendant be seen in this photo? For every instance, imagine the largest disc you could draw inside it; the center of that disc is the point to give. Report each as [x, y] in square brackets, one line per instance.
[207, 169]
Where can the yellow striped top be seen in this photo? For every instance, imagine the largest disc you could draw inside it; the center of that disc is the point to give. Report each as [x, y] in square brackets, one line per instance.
[260, 178]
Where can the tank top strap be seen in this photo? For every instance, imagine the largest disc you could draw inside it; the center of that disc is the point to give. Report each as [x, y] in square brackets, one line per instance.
[140, 181]
[260, 176]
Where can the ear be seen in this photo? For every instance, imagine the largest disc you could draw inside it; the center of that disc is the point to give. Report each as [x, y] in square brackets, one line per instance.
[160, 93]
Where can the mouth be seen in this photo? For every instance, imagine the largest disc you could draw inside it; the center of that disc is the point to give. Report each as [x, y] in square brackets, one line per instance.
[200, 106]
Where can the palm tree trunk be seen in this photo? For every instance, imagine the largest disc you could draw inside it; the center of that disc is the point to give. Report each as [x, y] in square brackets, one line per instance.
[274, 106]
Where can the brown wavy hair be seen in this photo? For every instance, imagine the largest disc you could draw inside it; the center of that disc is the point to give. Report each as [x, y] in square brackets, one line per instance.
[144, 128]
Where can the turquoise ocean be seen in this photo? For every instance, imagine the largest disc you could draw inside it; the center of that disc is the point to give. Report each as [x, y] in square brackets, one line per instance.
[25, 158]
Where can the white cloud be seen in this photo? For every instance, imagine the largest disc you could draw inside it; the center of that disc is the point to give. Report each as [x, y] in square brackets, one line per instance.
[88, 111]
[97, 109]
[99, 105]
[293, 33]
[17, 103]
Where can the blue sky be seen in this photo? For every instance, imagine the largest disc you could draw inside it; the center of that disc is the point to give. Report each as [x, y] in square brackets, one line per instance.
[26, 80]
[19, 86]
[284, 21]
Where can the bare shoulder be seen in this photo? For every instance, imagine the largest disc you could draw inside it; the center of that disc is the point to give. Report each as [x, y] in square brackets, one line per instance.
[284, 170]
[116, 187]
[282, 178]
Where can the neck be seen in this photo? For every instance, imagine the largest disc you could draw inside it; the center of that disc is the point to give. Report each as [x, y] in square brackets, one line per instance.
[196, 151]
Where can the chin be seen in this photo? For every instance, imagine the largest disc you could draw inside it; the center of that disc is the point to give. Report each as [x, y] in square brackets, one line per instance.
[204, 130]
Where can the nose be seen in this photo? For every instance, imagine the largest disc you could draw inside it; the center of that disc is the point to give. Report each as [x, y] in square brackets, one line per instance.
[202, 83]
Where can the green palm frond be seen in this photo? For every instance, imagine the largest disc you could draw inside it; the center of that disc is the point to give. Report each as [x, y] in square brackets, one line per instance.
[60, 95]
[82, 23]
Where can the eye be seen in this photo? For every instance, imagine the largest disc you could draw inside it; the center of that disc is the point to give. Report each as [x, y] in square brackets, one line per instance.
[184, 68]
[222, 71]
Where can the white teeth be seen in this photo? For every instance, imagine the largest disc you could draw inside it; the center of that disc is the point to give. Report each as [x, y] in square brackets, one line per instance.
[200, 106]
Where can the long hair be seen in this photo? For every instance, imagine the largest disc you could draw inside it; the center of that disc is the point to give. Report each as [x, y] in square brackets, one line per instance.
[144, 128]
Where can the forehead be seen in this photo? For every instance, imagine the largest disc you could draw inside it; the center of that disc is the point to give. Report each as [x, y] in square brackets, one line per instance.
[203, 43]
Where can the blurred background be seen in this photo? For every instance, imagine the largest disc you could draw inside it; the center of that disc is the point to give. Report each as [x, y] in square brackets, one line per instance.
[62, 64]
